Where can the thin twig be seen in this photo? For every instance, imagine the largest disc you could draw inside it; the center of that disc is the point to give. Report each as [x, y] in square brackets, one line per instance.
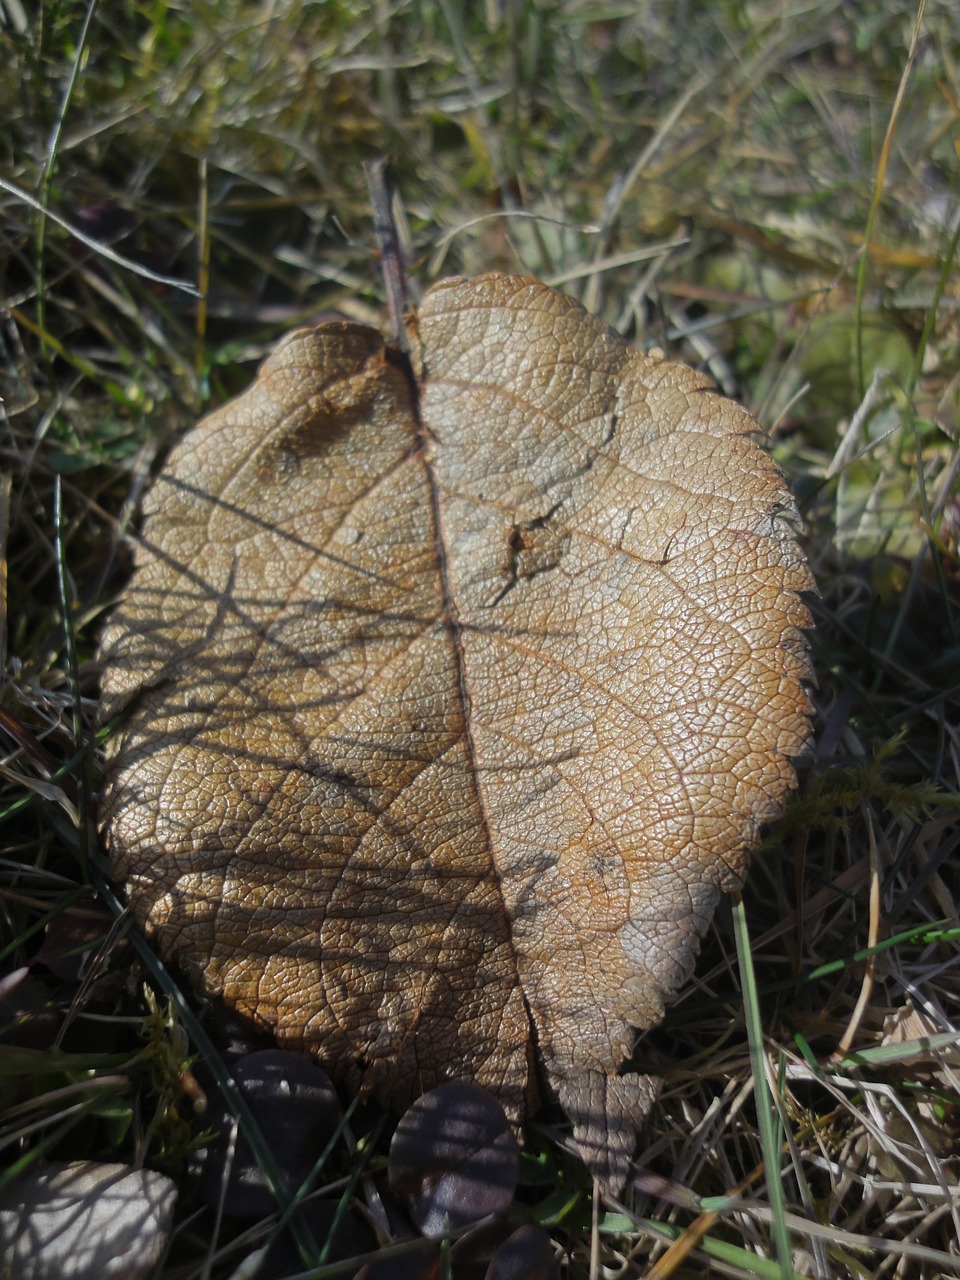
[380, 186]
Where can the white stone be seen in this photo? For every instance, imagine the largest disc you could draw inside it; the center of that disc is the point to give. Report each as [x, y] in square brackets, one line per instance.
[85, 1221]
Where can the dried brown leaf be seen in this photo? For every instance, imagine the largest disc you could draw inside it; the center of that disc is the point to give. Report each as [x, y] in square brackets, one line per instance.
[455, 696]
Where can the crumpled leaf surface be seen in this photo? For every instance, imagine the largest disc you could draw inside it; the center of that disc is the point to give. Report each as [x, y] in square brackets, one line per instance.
[455, 697]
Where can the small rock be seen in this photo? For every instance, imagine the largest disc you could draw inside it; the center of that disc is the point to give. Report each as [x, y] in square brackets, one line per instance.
[85, 1221]
[454, 1158]
[296, 1107]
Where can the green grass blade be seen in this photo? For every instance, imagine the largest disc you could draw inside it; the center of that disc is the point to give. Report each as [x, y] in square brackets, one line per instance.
[767, 1113]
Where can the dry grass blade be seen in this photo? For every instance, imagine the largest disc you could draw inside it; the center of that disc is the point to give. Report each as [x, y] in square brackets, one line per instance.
[882, 167]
